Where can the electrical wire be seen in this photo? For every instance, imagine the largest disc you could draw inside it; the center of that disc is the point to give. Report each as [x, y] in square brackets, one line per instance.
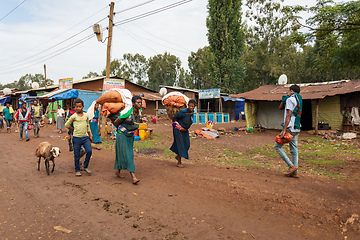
[21, 54]
[67, 48]
[24, 60]
[150, 13]
[139, 5]
[12, 10]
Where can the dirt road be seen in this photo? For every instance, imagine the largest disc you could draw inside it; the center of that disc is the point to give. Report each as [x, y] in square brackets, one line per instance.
[196, 202]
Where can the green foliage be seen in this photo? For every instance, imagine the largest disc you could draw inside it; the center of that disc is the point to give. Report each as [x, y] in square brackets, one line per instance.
[199, 64]
[163, 69]
[226, 38]
[24, 82]
[91, 75]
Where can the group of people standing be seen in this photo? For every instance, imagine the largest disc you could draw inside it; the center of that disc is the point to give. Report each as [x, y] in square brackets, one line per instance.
[25, 118]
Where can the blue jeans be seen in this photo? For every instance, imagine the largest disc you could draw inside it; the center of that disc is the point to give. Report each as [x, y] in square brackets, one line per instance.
[36, 123]
[77, 143]
[293, 151]
[23, 125]
[8, 123]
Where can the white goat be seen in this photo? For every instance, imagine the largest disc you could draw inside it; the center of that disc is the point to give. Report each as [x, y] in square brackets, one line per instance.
[48, 152]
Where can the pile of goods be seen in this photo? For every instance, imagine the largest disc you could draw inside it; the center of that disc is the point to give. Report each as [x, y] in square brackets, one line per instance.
[116, 103]
[112, 103]
[174, 102]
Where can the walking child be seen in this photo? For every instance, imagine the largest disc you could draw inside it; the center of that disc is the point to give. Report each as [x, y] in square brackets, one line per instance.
[82, 135]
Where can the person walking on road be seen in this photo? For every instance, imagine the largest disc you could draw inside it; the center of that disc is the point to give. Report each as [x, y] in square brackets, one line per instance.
[124, 145]
[292, 104]
[81, 136]
[8, 117]
[23, 118]
[36, 113]
[183, 121]
[94, 126]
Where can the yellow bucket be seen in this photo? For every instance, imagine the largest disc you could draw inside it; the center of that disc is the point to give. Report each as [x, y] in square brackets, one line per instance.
[143, 134]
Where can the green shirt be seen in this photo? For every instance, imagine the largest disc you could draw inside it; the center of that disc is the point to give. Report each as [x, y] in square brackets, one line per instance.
[81, 125]
[7, 115]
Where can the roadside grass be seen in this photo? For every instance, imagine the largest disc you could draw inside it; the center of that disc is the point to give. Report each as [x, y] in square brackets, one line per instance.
[316, 155]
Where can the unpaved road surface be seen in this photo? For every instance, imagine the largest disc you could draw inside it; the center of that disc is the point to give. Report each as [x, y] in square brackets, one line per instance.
[199, 201]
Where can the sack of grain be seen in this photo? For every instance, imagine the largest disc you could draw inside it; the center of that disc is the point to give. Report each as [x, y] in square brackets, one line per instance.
[111, 108]
[174, 102]
[110, 97]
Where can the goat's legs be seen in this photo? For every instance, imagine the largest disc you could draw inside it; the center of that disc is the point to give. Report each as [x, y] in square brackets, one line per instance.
[47, 166]
[53, 166]
[39, 164]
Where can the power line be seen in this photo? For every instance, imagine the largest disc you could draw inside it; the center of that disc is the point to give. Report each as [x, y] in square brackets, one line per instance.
[67, 48]
[17, 63]
[150, 13]
[42, 44]
[12, 10]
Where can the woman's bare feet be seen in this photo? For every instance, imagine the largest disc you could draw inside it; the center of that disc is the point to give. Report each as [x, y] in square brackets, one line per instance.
[179, 162]
[134, 179]
[117, 173]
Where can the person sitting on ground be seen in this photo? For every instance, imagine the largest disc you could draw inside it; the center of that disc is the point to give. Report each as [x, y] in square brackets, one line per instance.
[81, 137]
[183, 121]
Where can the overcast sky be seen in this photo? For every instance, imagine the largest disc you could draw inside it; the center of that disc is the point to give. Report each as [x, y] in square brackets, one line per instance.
[37, 32]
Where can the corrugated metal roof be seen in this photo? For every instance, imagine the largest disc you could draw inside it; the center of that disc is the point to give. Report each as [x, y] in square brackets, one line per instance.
[307, 90]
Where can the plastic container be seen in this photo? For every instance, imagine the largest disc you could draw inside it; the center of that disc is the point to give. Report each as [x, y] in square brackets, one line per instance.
[209, 124]
[143, 134]
[136, 138]
[142, 126]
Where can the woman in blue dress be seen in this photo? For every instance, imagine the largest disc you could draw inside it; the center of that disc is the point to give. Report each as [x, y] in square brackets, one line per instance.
[94, 126]
[183, 121]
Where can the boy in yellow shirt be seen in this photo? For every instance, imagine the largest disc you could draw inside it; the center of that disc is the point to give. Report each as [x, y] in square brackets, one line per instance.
[82, 135]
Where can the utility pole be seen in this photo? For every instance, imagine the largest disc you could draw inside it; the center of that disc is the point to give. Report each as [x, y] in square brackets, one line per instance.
[108, 59]
[111, 23]
[45, 74]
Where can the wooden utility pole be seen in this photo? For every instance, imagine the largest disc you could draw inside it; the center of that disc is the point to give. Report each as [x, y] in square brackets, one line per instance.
[108, 59]
[111, 23]
[45, 73]
[317, 117]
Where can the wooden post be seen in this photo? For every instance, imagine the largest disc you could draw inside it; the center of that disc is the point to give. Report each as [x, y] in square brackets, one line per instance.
[317, 117]
[157, 108]
[208, 107]
[108, 59]
[45, 73]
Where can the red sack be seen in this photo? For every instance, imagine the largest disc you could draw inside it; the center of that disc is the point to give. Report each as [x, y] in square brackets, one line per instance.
[287, 138]
[110, 97]
[175, 101]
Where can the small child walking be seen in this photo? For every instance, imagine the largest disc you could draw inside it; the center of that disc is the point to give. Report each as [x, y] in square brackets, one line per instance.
[82, 135]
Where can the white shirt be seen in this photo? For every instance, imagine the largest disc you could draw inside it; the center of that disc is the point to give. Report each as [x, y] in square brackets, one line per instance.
[291, 104]
[60, 112]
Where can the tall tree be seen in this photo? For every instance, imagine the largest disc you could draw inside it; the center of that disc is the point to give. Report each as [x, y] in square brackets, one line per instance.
[226, 38]
[163, 69]
[271, 50]
[335, 27]
[91, 75]
[199, 65]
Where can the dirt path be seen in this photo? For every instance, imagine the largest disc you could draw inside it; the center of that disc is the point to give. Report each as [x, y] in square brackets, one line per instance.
[196, 202]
